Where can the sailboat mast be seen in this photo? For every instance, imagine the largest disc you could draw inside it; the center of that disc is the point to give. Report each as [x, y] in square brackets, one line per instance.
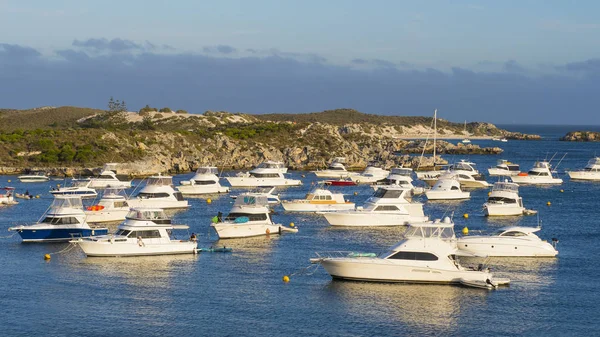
[434, 134]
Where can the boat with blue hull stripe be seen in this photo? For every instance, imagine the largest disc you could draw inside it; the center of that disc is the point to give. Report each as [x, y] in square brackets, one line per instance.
[58, 234]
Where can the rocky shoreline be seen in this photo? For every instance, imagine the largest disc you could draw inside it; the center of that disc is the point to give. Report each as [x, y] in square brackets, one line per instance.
[581, 136]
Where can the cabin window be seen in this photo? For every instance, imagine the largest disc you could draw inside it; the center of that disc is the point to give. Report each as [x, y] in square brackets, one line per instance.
[104, 176]
[204, 182]
[61, 221]
[386, 208]
[323, 197]
[250, 216]
[502, 199]
[415, 256]
[514, 234]
[336, 168]
[454, 188]
[178, 196]
[265, 175]
[387, 194]
[147, 234]
[122, 232]
[152, 195]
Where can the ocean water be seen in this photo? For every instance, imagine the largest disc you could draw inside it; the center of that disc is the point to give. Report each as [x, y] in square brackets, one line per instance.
[241, 293]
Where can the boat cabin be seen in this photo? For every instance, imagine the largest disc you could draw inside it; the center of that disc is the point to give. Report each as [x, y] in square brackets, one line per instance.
[160, 181]
[207, 170]
[155, 215]
[271, 165]
[249, 208]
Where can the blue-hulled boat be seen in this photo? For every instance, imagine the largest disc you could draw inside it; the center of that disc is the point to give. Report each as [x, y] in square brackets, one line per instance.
[63, 221]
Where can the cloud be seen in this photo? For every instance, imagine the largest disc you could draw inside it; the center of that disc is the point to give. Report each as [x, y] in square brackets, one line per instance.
[292, 82]
[114, 45]
[222, 49]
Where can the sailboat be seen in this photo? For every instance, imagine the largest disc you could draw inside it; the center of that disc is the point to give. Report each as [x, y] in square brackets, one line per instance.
[437, 169]
[466, 140]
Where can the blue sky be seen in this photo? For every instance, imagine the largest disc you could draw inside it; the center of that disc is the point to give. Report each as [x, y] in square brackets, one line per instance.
[500, 61]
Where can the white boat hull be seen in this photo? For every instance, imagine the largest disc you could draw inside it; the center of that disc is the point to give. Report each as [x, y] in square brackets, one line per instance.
[584, 175]
[25, 179]
[101, 183]
[533, 180]
[202, 189]
[103, 248]
[165, 204]
[370, 219]
[473, 183]
[308, 207]
[106, 216]
[494, 172]
[244, 230]
[502, 209]
[493, 246]
[334, 174]
[447, 195]
[257, 182]
[380, 270]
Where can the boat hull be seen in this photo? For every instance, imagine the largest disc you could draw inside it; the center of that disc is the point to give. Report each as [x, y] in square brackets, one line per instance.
[33, 180]
[308, 207]
[380, 270]
[506, 247]
[164, 204]
[370, 219]
[583, 175]
[82, 194]
[530, 180]
[105, 216]
[502, 210]
[58, 234]
[94, 183]
[234, 230]
[202, 189]
[108, 249]
[444, 195]
[257, 182]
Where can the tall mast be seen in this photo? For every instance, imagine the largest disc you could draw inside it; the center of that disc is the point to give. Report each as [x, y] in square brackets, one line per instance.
[434, 134]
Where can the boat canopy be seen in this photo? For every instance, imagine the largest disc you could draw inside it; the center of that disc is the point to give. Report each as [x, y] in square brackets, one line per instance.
[401, 171]
[151, 214]
[160, 180]
[340, 160]
[207, 170]
[249, 200]
[505, 186]
[436, 229]
[542, 164]
[463, 166]
[336, 166]
[80, 182]
[593, 163]
[516, 231]
[389, 193]
[271, 164]
[67, 201]
[110, 167]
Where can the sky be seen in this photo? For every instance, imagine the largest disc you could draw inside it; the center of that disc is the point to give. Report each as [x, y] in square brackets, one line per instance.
[506, 62]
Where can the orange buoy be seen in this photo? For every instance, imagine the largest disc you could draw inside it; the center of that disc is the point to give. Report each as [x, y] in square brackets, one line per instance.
[522, 174]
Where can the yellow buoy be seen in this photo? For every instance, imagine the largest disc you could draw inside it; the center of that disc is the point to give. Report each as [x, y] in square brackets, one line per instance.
[292, 224]
[37, 196]
[9, 180]
[47, 257]
[466, 215]
[561, 191]
[489, 193]
[209, 201]
[465, 231]
[548, 203]
[286, 279]
[355, 193]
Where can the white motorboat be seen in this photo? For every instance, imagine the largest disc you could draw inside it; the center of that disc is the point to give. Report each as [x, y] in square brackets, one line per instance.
[145, 231]
[539, 174]
[389, 206]
[318, 200]
[401, 176]
[511, 241]
[112, 207]
[335, 170]
[249, 216]
[438, 169]
[8, 198]
[427, 254]
[504, 168]
[447, 188]
[466, 173]
[504, 140]
[205, 181]
[268, 173]
[108, 178]
[63, 221]
[590, 172]
[79, 187]
[266, 191]
[504, 200]
[34, 177]
[159, 192]
[371, 174]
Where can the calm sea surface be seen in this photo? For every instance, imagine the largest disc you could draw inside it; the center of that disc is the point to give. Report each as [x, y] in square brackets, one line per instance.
[241, 293]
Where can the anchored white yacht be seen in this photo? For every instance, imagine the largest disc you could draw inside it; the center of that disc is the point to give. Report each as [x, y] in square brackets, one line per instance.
[79, 187]
[539, 174]
[447, 187]
[466, 174]
[590, 172]
[504, 168]
[511, 241]
[389, 206]
[108, 178]
[146, 231]
[205, 181]
[112, 207]
[401, 176]
[504, 200]
[159, 192]
[427, 254]
[63, 221]
[371, 174]
[319, 199]
[8, 198]
[249, 216]
[335, 170]
[268, 173]
[266, 191]
[34, 177]
[466, 140]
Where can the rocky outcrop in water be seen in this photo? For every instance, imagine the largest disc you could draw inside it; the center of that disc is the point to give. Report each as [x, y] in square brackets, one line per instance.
[581, 136]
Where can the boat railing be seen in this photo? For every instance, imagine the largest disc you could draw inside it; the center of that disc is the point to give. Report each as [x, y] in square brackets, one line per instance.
[342, 254]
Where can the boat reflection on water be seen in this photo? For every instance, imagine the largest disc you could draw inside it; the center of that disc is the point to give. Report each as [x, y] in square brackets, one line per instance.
[427, 308]
[526, 273]
[253, 250]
